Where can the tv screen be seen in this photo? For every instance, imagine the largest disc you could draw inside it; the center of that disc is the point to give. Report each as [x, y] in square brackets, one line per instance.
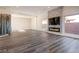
[54, 21]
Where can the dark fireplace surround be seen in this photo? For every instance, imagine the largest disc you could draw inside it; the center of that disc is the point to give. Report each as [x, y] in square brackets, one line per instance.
[54, 24]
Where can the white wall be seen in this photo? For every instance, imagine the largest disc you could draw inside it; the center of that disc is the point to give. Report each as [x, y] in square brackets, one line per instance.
[20, 23]
[37, 22]
[45, 22]
[33, 23]
[42, 22]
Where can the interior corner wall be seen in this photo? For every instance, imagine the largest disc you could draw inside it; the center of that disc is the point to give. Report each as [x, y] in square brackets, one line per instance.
[40, 25]
[33, 23]
[37, 22]
[45, 26]
[45, 20]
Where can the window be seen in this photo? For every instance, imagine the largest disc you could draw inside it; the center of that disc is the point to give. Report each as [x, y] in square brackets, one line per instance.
[72, 24]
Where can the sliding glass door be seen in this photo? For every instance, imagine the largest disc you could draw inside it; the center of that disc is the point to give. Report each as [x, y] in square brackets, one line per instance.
[0, 25]
[72, 24]
[8, 24]
[5, 26]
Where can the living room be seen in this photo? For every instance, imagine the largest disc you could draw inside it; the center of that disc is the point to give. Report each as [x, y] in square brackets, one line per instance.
[43, 29]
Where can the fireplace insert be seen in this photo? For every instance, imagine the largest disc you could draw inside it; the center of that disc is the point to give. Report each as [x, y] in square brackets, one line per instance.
[54, 29]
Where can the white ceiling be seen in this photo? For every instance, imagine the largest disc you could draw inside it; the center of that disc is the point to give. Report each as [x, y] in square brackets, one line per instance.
[30, 10]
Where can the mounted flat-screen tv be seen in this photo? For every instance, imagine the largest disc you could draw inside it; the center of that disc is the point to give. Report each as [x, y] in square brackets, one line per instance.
[54, 21]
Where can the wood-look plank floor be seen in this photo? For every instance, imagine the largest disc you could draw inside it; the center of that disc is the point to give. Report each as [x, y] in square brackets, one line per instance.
[33, 41]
